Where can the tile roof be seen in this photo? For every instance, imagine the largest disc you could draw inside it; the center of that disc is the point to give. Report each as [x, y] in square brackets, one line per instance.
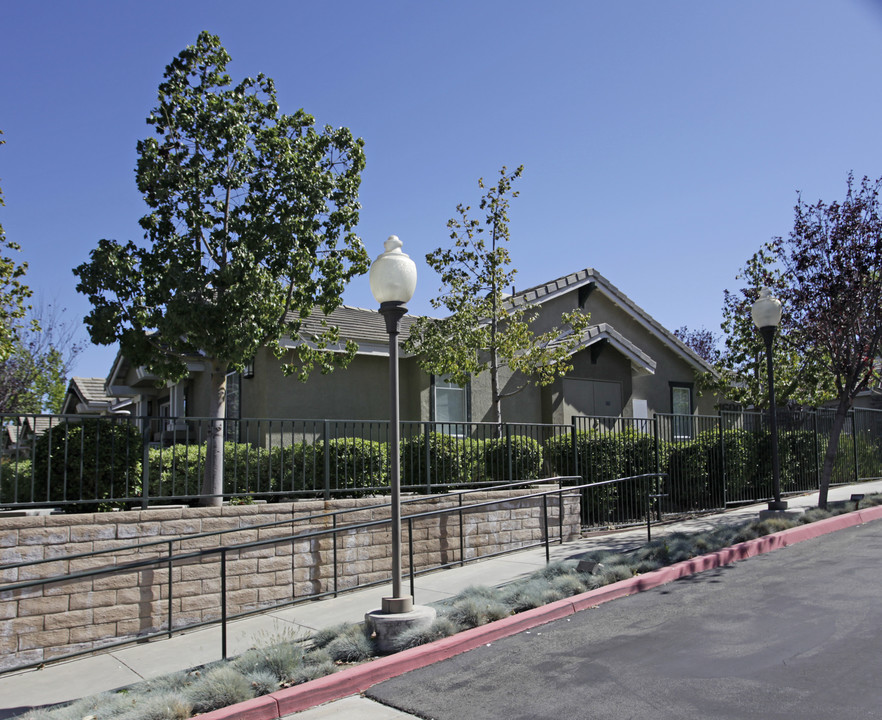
[355, 323]
[90, 389]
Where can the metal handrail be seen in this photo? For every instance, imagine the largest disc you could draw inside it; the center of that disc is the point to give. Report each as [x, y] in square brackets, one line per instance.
[275, 523]
[171, 558]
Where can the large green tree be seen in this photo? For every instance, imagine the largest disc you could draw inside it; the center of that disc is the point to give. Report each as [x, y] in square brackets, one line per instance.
[486, 330]
[14, 293]
[251, 226]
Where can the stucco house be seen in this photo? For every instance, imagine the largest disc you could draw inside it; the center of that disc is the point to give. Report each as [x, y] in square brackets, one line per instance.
[627, 364]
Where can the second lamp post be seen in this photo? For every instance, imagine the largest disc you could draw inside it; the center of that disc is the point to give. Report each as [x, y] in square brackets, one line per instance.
[766, 314]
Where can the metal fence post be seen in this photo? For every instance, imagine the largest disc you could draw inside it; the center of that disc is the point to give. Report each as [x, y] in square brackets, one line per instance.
[723, 474]
[583, 494]
[428, 457]
[145, 467]
[511, 476]
[854, 442]
[223, 592]
[817, 450]
[326, 438]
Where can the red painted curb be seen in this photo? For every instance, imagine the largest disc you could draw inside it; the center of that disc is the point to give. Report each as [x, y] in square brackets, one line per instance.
[261, 708]
[360, 678]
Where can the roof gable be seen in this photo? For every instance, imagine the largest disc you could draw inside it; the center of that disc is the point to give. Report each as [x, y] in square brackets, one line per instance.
[591, 278]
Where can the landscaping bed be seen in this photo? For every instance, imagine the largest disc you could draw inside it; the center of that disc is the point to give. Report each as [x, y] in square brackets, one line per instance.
[286, 661]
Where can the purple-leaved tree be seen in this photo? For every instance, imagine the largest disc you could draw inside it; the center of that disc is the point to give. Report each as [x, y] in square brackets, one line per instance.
[832, 263]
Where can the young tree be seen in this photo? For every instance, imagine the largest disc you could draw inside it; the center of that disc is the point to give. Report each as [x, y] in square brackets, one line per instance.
[33, 379]
[801, 378]
[250, 227]
[486, 330]
[832, 262]
[13, 292]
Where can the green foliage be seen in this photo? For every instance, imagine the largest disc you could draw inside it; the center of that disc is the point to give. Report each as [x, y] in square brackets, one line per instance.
[16, 480]
[450, 460]
[33, 379]
[484, 330]
[513, 458]
[688, 481]
[13, 292]
[801, 376]
[250, 227]
[560, 458]
[356, 464]
[92, 459]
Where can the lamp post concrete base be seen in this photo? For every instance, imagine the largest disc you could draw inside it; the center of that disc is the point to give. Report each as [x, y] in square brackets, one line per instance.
[772, 513]
[388, 626]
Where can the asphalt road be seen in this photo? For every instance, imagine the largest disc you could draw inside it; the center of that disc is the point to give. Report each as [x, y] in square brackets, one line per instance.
[796, 633]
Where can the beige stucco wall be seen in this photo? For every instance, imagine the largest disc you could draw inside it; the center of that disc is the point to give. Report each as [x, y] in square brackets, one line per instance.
[359, 391]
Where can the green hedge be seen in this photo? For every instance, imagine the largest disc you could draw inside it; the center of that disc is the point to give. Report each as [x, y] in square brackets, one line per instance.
[517, 457]
[95, 459]
[450, 461]
[15, 480]
[355, 465]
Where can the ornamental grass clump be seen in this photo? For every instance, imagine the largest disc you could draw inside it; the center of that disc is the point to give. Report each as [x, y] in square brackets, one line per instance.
[160, 706]
[352, 645]
[219, 687]
[104, 705]
[472, 611]
[528, 594]
[263, 682]
[440, 628]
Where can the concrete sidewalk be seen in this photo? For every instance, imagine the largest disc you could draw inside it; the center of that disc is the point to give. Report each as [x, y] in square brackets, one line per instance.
[74, 679]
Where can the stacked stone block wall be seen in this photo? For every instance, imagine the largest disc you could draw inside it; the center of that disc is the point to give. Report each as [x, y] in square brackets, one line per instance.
[265, 566]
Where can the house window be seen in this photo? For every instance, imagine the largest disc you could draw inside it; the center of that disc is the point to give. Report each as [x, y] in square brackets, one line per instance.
[450, 402]
[681, 408]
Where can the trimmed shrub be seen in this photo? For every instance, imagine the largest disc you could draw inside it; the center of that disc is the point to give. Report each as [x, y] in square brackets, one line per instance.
[357, 465]
[449, 459]
[177, 470]
[688, 481]
[513, 458]
[16, 480]
[93, 459]
[559, 456]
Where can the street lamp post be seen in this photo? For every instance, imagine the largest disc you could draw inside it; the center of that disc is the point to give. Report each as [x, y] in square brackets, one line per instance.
[393, 281]
[766, 314]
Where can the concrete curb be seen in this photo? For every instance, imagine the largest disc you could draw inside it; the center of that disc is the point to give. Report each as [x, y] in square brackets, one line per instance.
[360, 678]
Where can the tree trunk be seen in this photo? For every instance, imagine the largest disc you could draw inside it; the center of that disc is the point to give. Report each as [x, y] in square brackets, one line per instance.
[213, 480]
[494, 391]
[832, 449]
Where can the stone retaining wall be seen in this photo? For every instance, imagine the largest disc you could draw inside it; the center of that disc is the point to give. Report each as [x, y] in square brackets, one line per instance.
[73, 614]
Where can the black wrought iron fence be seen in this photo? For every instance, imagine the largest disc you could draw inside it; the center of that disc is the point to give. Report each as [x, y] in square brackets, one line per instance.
[84, 463]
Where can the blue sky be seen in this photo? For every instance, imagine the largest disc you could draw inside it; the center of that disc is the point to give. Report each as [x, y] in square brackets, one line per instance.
[663, 142]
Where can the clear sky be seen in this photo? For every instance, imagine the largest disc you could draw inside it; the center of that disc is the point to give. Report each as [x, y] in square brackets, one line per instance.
[663, 142]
